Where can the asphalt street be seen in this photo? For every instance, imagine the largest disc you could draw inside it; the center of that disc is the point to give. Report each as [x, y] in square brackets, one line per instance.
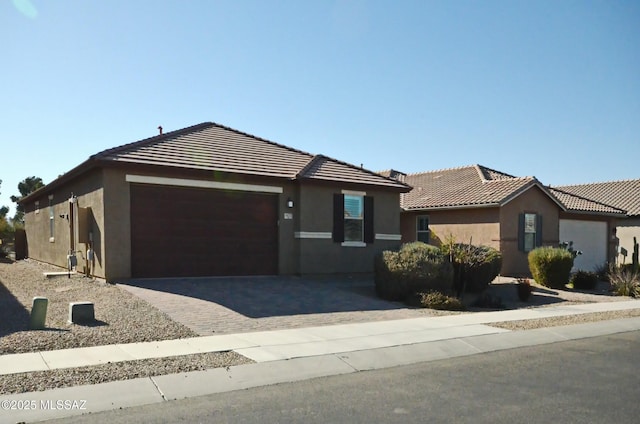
[592, 380]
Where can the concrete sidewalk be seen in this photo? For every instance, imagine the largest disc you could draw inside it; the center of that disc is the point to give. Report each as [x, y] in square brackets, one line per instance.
[266, 346]
[291, 355]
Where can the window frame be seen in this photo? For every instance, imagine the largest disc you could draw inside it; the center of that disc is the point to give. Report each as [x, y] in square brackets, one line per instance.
[526, 232]
[426, 231]
[359, 218]
[368, 231]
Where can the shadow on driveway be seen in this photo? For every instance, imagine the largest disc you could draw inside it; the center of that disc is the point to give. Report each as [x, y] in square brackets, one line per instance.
[260, 297]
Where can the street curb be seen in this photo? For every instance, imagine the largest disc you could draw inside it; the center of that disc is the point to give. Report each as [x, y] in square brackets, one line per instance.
[70, 401]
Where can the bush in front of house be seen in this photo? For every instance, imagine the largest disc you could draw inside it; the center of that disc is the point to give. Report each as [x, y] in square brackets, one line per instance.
[584, 280]
[624, 281]
[416, 267]
[474, 267]
[436, 300]
[551, 266]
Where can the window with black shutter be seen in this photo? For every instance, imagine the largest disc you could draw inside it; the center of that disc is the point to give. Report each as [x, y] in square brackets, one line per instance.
[353, 218]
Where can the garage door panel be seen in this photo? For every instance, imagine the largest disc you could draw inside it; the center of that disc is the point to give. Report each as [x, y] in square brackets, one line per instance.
[200, 232]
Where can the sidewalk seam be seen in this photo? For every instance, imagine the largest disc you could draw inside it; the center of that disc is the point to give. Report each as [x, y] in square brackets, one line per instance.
[153, 381]
[337, 355]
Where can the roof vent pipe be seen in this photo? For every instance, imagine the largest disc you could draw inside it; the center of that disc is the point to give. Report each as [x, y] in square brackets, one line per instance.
[160, 129]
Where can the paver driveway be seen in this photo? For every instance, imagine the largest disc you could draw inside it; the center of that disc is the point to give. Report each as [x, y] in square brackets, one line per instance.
[240, 304]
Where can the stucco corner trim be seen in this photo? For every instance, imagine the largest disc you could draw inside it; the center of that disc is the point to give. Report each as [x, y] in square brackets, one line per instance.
[311, 235]
[181, 182]
[396, 237]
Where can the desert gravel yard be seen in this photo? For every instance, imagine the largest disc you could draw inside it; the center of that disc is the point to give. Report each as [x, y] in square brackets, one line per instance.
[122, 318]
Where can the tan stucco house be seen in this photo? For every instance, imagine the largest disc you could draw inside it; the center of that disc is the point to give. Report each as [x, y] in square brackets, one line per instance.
[487, 207]
[624, 195]
[210, 200]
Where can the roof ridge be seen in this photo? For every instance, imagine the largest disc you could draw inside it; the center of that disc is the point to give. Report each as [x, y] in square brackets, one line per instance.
[587, 199]
[148, 140]
[262, 139]
[483, 169]
[440, 170]
[629, 180]
[187, 130]
[318, 157]
[308, 165]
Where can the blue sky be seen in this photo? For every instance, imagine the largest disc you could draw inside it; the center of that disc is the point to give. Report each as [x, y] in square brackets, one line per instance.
[544, 88]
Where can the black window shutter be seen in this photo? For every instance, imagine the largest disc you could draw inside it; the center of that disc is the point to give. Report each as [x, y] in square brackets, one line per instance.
[521, 232]
[538, 230]
[369, 233]
[338, 217]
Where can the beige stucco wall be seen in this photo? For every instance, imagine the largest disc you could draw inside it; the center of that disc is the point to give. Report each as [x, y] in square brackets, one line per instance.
[478, 225]
[626, 230]
[534, 200]
[493, 226]
[323, 255]
[89, 193]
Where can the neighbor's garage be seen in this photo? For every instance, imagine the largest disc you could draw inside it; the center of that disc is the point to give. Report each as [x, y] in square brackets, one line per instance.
[190, 232]
[590, 237]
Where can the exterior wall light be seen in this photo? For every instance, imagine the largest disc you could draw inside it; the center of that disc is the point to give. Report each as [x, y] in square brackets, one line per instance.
[290, 203]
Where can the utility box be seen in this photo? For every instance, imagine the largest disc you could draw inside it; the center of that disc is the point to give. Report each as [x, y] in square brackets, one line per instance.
[81, 313]
[38, 313]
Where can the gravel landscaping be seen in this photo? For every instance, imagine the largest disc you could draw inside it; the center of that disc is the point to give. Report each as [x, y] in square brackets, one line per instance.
[121, 318]
[124, 318]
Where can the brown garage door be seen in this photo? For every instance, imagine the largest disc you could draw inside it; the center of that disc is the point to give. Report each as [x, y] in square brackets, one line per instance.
[189, 232]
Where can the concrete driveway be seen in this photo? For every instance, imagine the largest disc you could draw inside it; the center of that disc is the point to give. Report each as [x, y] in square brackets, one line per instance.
[220, 305]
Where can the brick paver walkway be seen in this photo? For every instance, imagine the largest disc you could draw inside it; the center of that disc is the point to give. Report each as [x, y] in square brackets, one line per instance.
[242, 304]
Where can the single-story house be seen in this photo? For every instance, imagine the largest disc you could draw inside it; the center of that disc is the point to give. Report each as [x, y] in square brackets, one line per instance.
[623, 195]
[487, 207]
[210, 200]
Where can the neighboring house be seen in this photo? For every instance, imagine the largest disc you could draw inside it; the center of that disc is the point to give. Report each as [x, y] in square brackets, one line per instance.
[210, 200]
[623, 195]
[486, 207]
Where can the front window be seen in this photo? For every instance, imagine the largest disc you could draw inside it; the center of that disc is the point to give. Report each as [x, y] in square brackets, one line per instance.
[353, 218]
[529, 231]
[422, 227]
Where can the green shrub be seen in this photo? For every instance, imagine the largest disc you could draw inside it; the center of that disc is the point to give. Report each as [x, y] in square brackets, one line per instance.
[624, 282]
[551, 266]
[437, 300]
[584, 280]
[474, 267]
[602, 271]
[416, 267]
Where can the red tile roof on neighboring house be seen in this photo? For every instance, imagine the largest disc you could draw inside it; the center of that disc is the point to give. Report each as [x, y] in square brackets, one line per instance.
[623, 195]
[575, 203]
[479, 186]
[468, 186]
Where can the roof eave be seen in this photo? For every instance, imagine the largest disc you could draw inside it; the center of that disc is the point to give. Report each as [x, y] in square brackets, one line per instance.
[449, 207]
[533, 183]
[85, 166]
[611, 214]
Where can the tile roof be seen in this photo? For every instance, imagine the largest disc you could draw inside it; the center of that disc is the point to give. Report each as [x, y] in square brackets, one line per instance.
[468, 186]
[575, 203]
[623, 195]
[213, 147]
